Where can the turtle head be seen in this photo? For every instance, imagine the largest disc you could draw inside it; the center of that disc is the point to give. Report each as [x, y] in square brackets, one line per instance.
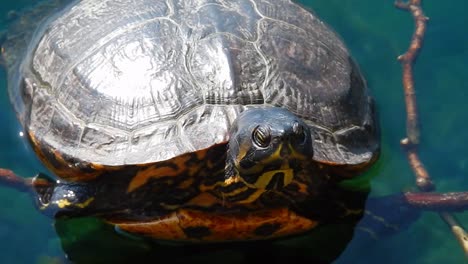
[266, 148]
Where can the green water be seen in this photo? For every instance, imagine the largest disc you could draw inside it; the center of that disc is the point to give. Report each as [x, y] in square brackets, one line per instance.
[376, 34]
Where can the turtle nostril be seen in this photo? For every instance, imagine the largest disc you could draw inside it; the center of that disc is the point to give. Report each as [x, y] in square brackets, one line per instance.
[297, 128]
[299, 135]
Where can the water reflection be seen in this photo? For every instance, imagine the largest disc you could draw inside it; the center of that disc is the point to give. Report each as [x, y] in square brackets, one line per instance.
[92, 241]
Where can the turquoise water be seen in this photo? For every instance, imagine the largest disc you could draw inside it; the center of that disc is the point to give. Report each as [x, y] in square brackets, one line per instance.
[376, 34]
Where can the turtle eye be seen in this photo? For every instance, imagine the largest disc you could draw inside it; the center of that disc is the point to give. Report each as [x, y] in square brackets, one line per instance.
[300, 133]
[261, 136]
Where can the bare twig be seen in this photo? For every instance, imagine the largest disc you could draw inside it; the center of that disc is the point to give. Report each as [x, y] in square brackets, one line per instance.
[410, 144]
[457, 230]
[429, 201]
[407, 60]
[10, 179]
[423, 180]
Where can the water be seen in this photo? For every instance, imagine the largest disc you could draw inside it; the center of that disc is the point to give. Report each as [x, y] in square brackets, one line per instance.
[376, 33]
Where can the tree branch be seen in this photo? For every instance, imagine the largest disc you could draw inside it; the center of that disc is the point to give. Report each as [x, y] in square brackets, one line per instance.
[9, 179]
[411, 142]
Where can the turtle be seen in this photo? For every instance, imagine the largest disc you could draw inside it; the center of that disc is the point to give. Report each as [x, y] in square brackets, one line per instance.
[198, 121]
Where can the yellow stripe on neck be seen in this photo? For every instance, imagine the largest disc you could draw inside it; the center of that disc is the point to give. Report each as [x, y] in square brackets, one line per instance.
[266, 177]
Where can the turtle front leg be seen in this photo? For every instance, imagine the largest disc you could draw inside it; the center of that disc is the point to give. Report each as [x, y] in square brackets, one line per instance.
[57, 198]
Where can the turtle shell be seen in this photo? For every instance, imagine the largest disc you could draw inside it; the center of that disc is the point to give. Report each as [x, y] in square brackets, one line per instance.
[116, 82]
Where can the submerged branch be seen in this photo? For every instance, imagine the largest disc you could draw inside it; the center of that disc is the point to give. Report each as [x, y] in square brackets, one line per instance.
[423, 180]
[411, 142]
[9, 179]
[429, 201]
[457, 230]
[407, 60]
